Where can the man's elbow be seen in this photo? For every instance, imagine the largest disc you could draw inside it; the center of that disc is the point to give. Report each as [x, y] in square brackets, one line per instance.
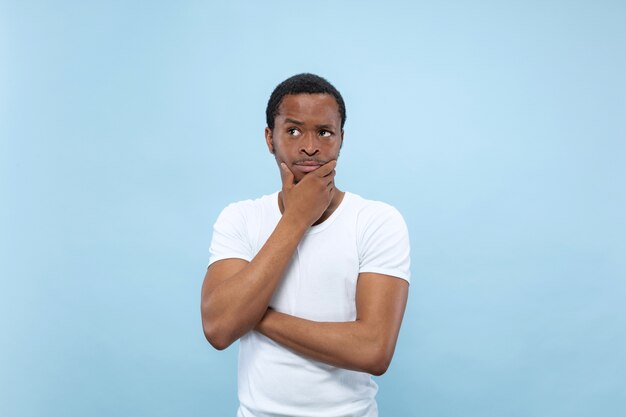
[216, 337]
[379, 361]
[378, 368]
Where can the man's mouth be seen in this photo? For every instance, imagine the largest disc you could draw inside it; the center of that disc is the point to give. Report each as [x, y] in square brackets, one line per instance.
[308, 165]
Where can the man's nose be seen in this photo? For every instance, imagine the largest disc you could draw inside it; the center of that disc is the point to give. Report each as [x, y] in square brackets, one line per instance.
[310, 144]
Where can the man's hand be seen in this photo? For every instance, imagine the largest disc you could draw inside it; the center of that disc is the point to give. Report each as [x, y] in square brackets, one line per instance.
[309, 199]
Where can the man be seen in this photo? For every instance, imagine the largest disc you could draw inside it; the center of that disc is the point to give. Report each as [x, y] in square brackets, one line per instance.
[311, 279]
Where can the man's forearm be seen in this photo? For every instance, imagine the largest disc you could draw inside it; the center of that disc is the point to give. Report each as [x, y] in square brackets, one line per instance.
[236, 293]
[365, 344]
[354, 345]
[234, 305]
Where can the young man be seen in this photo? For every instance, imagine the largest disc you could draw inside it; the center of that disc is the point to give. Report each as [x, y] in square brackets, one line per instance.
[313, 280]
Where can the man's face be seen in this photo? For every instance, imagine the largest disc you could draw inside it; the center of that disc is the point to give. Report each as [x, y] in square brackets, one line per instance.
[307, 132]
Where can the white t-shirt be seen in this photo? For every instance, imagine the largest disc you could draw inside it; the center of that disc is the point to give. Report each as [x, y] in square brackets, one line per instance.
[319, 284]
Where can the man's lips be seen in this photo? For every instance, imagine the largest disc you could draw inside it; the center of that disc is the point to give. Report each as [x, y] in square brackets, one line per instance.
[307, 166]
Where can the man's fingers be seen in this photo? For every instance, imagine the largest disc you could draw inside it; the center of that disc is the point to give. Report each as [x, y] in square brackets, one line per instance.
[286, 176]
[326, 169]
[330, 177]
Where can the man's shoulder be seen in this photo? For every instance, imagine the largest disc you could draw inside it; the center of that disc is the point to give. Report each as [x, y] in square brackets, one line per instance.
[253, 203]
[371, 207]
[375, 216]
[250, 212]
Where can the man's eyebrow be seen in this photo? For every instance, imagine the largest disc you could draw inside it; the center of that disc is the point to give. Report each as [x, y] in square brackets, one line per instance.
[295, 122]
[327, 127]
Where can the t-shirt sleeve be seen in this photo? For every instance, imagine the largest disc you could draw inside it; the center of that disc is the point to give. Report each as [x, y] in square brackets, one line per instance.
[230, 236]
[384, 244]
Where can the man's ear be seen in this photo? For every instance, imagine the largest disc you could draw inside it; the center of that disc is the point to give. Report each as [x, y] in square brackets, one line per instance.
[268, 140]
[341, 144]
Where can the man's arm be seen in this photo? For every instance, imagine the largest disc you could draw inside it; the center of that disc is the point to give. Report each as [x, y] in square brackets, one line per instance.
[236, 293]
[366, 344]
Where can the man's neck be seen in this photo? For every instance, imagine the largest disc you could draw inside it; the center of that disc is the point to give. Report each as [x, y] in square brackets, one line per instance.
[334, 203]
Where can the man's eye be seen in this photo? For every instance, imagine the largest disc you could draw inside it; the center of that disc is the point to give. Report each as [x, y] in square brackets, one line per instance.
[325, 133]
[293, 131]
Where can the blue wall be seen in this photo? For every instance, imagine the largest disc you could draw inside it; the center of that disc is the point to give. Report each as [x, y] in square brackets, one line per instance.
[498, 130]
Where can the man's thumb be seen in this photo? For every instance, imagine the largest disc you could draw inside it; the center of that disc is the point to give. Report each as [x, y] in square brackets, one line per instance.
[286, 175]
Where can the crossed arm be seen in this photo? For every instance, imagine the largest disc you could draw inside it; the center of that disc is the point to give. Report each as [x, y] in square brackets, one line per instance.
[365, 344]
[236, 293]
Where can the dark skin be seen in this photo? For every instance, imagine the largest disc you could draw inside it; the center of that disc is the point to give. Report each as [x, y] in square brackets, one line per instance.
[305, 142]
[307, 134]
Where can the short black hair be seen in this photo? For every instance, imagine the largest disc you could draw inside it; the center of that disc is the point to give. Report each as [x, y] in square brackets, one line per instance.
[305, 83]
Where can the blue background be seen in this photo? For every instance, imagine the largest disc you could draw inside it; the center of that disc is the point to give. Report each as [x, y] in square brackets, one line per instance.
[497, 128]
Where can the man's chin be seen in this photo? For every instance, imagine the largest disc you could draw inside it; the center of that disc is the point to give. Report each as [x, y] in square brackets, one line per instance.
[297, 179]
